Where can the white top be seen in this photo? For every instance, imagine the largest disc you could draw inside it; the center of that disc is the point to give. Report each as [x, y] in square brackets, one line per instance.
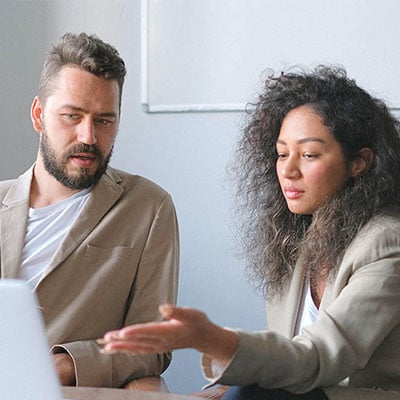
[46, 228]
[308, 312]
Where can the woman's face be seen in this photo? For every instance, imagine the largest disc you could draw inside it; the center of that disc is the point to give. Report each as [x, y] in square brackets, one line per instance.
[311, 166]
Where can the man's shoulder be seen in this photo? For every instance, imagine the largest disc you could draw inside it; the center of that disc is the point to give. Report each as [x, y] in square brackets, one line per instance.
[5, 187]
[6, 184]
[135, 183]
[16, 190]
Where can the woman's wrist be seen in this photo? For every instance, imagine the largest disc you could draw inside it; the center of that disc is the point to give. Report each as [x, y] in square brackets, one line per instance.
[220, 344]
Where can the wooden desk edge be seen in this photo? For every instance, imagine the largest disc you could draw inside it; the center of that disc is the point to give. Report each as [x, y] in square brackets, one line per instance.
[90, 393]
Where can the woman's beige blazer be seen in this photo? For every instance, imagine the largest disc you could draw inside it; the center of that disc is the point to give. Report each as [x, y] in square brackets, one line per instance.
[356, 338]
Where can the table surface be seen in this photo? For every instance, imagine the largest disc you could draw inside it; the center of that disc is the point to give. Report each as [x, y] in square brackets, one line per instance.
[86, 393]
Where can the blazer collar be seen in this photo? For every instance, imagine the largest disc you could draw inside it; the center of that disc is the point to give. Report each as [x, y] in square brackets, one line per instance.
[102, 197]
[283, 314]
[14, 216]
[13, 220]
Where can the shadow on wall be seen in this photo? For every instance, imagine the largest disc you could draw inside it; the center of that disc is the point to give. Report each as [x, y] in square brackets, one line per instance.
[24, 42]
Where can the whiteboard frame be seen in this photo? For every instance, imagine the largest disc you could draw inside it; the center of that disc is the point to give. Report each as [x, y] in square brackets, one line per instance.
[171, 108]
[181, 108]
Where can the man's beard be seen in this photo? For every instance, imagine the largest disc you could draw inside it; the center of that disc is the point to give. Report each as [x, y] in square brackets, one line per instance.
[57, 167]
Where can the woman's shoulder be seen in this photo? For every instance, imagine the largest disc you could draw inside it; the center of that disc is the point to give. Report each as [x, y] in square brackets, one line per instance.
[378, 238]
[381, 224]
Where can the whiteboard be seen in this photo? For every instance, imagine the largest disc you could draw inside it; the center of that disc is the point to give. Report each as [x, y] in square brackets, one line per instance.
[212, 55]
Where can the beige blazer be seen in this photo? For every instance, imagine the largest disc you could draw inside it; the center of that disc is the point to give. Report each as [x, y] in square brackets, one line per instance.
[118, 262]
[356, 338]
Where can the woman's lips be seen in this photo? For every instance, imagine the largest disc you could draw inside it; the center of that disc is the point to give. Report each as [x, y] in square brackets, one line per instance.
[293, 193]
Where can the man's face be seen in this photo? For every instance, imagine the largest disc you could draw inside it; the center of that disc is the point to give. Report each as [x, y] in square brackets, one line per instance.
[56, 165]
[78, 123]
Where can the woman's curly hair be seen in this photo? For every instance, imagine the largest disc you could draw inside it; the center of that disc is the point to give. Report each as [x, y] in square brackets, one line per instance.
[274, 237]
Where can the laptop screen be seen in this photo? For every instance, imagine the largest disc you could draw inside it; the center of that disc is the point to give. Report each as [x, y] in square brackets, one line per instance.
[26, 367]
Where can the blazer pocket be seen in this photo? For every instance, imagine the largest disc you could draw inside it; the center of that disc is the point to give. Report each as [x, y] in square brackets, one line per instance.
[105, 255]
[117, 264]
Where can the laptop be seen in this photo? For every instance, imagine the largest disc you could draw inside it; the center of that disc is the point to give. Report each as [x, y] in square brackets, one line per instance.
[27, 371]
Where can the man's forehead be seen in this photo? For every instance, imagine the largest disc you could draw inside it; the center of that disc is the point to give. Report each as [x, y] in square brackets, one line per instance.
[75, 87]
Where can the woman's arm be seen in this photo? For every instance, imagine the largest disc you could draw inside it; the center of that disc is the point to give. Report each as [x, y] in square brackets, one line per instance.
[181, 328]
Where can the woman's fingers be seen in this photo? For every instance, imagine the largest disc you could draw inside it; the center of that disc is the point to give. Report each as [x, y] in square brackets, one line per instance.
[181, 327]
[166, 310]
[140, 344]
[131, 348]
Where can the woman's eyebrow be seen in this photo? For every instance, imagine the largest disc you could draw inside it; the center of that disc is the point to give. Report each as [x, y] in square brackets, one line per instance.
[304, 140]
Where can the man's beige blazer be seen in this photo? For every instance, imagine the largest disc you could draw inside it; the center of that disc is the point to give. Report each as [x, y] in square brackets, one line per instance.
[118, 262]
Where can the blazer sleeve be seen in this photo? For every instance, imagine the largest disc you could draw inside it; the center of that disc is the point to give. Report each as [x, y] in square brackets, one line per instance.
[346, 334]
[155, 282]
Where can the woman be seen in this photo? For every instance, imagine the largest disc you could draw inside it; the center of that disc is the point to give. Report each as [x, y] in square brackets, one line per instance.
[320, 171]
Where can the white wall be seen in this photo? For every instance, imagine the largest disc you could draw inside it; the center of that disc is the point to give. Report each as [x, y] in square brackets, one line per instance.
[185, 153]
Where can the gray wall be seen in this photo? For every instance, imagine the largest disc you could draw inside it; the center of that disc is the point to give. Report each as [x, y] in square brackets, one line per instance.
[185, 153]
[24, 39]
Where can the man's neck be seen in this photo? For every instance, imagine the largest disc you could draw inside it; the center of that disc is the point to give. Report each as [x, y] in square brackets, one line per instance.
[45, 189]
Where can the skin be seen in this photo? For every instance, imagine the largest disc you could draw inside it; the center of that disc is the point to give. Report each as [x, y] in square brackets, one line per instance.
[81, 109]
[311, 168]
[182, 328]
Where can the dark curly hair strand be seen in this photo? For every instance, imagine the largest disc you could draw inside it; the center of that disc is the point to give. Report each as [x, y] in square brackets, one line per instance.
[273, 237]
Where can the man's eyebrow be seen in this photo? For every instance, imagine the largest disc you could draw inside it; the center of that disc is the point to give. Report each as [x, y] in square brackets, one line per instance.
[80, 109]
[304, 140]
[73, 108]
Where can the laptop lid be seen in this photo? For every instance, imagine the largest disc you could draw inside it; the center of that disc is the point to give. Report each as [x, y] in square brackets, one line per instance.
[27, 371]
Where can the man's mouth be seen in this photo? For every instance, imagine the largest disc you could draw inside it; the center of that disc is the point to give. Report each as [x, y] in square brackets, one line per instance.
[83, 160]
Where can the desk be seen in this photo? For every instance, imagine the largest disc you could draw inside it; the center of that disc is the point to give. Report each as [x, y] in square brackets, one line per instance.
[86, 393]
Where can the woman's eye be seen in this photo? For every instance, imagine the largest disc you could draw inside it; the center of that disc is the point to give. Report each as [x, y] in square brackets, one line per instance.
[310, 156]
[282, 155]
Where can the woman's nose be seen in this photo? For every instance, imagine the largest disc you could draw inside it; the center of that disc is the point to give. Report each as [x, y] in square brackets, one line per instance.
[289, 168]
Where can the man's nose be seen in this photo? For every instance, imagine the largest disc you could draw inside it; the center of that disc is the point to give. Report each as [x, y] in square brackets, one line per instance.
[87, 132]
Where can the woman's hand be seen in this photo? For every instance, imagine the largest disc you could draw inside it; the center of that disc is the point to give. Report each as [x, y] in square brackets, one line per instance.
[181, 328]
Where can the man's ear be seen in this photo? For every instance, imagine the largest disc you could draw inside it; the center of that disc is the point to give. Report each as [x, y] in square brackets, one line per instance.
[36, 114]
[362, 162]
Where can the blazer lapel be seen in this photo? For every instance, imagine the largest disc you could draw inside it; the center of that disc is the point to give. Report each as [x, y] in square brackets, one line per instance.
[13, 220]
[101, 199]
[283, 313]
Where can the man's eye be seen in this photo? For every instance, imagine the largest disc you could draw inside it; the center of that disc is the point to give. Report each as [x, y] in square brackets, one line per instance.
[70, 116]
[282, 155]
[104, 122]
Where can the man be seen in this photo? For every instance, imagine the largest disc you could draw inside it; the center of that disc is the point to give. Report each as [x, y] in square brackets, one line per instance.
[98, 245]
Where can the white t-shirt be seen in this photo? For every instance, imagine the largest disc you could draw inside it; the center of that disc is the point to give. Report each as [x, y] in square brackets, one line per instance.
[308, 312]
[46, 229]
